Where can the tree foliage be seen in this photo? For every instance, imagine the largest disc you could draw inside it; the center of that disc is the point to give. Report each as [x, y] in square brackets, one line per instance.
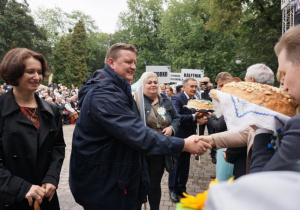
[195, 34]
[17, 29]
[78, 71]
[59, 23]
[141, 26]
[62, 57]
[255, 26]
[97, 46]
[190, 44]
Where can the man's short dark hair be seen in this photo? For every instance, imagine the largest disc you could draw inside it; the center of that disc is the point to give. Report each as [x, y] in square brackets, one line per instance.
[178, 88]
[113, 51]
[222, 76]
[12, 66]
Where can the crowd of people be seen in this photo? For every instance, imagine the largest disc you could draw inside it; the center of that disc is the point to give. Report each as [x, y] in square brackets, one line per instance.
[122, 144]
[66, 99]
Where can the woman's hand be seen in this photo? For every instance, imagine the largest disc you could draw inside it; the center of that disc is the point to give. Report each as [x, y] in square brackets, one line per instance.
[49, 190]
[224, 155]
[167, 131]
[35, 192]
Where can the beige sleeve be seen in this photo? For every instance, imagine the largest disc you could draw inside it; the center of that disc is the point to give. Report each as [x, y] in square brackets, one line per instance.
[228, 139]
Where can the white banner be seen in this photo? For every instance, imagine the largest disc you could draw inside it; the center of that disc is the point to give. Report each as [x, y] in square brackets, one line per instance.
[163, 73]
[194, 73]
[176, 77]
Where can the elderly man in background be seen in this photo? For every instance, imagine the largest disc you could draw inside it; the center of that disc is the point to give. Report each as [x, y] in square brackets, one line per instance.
[260, 73]
[179, 176]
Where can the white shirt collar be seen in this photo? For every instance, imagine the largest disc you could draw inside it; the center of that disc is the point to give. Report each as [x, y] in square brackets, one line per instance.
[186, 95]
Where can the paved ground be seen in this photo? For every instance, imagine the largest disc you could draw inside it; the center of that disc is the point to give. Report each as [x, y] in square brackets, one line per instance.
[199, 178]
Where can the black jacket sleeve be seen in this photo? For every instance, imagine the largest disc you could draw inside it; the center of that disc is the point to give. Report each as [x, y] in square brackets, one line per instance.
[217, 123]
[233, 154]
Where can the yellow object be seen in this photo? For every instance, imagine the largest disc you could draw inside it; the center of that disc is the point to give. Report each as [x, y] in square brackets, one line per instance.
[198, 202]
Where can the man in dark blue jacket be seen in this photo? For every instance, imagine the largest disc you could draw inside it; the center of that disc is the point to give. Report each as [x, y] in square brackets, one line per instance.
[107, 166]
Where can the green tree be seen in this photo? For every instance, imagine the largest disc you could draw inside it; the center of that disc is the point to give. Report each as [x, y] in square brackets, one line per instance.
[17, 28]
[188, 42]
[62, 57]
[59, 23]
[140, 24]
[255, 26]
[78, 71]
[97, 45]
[260, 30]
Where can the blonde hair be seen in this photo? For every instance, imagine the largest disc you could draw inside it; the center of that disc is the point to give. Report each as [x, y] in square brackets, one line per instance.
[144, 78]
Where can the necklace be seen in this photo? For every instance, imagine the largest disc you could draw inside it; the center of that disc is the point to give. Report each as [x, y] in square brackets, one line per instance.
[158, 124]
[32, 115]
[26, 111]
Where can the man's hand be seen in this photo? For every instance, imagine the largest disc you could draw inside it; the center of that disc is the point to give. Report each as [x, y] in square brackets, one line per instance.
[49, 190]
[193, 145]
[35, 192]
[198, 115]
[208, 139]
[202, 121]
[206, 114]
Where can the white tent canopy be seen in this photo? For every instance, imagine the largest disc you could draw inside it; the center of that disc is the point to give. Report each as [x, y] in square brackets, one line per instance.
[135, 86]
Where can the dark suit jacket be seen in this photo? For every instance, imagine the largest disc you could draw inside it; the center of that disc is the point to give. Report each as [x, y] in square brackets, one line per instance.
[187, 124]
[264, 158]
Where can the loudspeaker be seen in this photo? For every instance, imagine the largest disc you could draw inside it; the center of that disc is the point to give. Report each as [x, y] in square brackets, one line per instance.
[297, 18]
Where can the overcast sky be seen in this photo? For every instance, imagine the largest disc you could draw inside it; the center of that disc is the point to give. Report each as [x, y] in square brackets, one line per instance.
[104, 12]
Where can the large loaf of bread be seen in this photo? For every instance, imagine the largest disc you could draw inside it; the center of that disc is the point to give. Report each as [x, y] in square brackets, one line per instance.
[200, 104]
[265, 95]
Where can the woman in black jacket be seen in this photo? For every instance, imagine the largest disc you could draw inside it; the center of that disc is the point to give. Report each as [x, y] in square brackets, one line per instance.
[161, 116]
[32, 146]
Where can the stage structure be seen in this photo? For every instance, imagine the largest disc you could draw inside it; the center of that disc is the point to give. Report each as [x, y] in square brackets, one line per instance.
[288, 14]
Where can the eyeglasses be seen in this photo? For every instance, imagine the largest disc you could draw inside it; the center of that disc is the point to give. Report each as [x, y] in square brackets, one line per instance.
[204, 83]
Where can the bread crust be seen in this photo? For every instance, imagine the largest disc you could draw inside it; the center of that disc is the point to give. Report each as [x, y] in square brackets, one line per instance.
[200, 104]
[264, 95]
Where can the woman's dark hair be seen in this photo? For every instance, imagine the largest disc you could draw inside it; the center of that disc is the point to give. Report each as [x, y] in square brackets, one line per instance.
[12, 66]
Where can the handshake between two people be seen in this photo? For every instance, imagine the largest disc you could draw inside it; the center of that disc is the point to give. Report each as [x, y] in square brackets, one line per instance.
[199, 144]
[195, 145]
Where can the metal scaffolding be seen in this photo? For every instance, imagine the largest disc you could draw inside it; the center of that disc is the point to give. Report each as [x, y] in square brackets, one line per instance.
[288, 14]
